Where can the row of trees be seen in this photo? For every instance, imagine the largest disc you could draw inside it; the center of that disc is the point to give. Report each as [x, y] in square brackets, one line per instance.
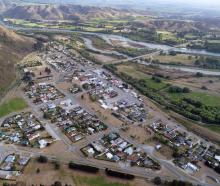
[132, 52]
[196, 110]
[176, 89]
[208, 62]
[158, 181]
[208, 45]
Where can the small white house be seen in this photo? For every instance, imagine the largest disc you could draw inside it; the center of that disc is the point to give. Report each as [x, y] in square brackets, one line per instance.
[42, 143]
[193, 167]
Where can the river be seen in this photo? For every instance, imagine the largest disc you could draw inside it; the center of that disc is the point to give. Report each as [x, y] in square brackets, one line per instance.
[90, 46]
[109, 37]
[184, 69]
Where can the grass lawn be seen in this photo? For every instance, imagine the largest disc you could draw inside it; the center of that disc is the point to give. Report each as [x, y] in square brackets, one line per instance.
[214, 128]
[92, 29]
[132, 70]
[191, 36]
[206, 99]
[97, 181]
[178, 59]
[165, 35]
[48, 175]
[214, 41]
[99, 42]
[12, 105]
[154, 85]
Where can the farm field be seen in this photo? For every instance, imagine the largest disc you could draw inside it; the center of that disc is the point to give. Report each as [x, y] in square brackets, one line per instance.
[140, 72]
[104, 58]
[181, 59]
[205, 98]
[169, 36]
[134, 71]
[212, 84]
[160, 89]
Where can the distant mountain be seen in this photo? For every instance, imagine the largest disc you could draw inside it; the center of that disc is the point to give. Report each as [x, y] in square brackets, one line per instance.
[62, 12]
[141, 4]
[5, 4]
[13, 48]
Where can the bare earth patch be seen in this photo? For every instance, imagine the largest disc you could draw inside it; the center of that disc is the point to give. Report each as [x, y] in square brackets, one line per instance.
[48, 175]
[104, 58]
[104, 114]
[139, 133]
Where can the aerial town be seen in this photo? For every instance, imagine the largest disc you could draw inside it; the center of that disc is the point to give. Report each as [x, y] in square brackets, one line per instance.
[89, 107]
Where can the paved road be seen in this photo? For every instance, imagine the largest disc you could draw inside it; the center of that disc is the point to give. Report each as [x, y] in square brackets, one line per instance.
[177, 173]
[75, 148]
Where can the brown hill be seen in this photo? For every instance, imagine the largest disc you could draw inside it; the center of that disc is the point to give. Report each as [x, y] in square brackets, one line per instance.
[13, 48]
[179, 26]
[62, 12]
[173, 25]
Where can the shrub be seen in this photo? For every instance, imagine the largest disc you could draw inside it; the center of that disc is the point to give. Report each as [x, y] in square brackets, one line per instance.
[57, 183]
[157, 180]
[38, 170]
[186, 90]
[199, 74]
[57, 165]
[204, 88]
[42, 159]
[85, 168]
[119, 174]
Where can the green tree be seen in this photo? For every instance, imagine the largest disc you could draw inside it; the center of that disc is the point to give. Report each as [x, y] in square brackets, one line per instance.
[157, 180]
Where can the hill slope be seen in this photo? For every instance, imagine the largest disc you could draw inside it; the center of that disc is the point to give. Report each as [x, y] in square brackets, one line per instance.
[13, 48]
[62, 12]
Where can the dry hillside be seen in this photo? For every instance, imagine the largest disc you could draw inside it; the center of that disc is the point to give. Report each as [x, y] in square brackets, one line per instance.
[62, 12]
[13, 48]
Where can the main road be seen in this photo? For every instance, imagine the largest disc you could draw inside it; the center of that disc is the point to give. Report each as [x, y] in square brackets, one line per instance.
[177, 172]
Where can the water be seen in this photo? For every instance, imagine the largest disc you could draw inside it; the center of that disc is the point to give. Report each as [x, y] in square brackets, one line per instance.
[90, 46]
[184, 69]
[108, 37]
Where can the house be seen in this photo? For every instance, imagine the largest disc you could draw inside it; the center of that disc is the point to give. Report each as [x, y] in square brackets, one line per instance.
[98, 147]
[129, 150]
[32, 137]
[10, 159]
[51, 106]
[15, 139]
[43, 143]
[91, 130]
[123, 145]
[158, 147]
[23, 160]
[91, 151]
[193, 167]
[217, 158]
[109, 155]
[78, 137]
[116, 158]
